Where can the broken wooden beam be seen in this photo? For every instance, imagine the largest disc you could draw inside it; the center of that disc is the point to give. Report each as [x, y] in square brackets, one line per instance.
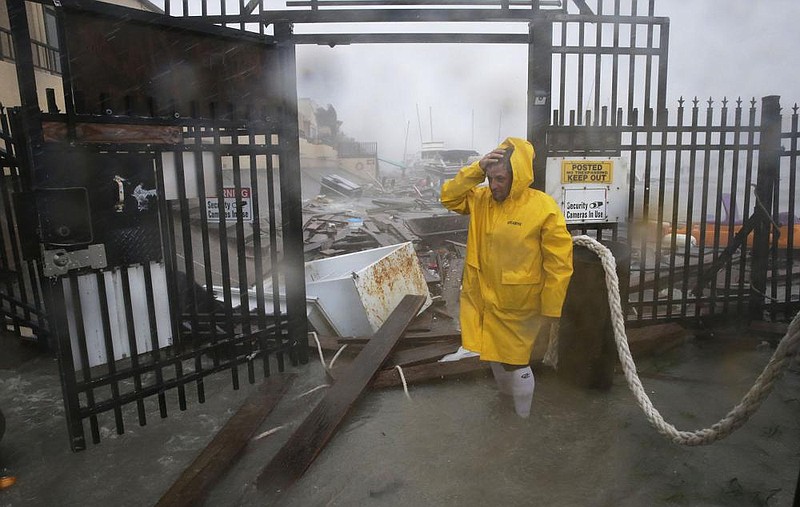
[310, 437]
[428, 371]
[423, 354]
[421, 323]
[427, 336]
[198, 478]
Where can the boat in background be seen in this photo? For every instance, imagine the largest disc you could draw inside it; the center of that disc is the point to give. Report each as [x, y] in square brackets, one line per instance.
[440, 163]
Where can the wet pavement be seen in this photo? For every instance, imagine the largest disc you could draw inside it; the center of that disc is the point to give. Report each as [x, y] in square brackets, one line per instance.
[456, 442]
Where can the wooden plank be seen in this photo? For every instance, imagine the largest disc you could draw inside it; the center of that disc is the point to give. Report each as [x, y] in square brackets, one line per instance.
[329, 343]
[379, 236]
[421, 323]
[430, 336]
[307, 441]
[423, 354]
[440, 312]
[197, 479]
[773, 328]
[114, 133]
[428, 371]
[659, 338]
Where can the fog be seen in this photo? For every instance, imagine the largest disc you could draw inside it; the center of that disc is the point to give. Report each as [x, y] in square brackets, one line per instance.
[472, 96]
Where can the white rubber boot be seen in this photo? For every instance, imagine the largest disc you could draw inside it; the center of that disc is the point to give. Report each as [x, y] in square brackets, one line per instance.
[522, 384]
[458, 355]
[502, 377]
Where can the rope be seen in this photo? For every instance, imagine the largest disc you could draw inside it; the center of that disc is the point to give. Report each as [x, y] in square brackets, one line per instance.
[338, 352]
[403, 380]
[766, 296]
[268, 432]
[788, 347]
[319, 349]
[329, 367]
[312, 390]
[775, 226]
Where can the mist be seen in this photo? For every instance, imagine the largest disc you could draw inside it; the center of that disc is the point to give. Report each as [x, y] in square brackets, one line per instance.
[468, 96]
[473, 96]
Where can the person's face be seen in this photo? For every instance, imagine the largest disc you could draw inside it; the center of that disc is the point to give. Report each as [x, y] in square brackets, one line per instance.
[499, 181]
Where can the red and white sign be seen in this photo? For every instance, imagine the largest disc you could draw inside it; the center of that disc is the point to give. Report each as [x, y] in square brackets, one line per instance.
[231, 210]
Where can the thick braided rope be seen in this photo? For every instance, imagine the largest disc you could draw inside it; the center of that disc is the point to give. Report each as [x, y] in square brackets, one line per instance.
[788, 347]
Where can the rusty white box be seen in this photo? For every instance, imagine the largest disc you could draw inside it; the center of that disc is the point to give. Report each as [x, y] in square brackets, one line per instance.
[358, 291]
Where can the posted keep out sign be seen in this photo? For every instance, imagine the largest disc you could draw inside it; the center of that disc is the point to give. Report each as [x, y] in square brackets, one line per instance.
[587, 171]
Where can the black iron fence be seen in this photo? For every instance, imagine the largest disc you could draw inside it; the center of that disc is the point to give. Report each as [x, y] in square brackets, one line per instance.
[152, 240]
[22, 305]
[695, 192]
[191, 281]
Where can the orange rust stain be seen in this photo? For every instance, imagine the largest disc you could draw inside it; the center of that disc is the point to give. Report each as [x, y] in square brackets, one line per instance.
[383, 281]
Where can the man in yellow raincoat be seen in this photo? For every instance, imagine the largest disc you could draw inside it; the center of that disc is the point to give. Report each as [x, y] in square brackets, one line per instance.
[518, 265]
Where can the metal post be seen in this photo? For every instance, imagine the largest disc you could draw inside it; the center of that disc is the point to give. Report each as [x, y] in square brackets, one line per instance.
[20, 33]
[26, 80]
[768, 168]
[57, 312]
[661, 97]
[291, 198]
[796, 502]
[32, 148]
[540, 81]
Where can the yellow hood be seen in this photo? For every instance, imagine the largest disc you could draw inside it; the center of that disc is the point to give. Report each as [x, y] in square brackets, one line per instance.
[521, 164]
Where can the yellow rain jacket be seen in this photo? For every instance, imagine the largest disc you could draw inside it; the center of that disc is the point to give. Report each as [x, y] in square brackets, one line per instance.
[519, 259]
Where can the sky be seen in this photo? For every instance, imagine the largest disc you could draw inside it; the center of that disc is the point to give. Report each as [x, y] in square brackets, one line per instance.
[472, 96]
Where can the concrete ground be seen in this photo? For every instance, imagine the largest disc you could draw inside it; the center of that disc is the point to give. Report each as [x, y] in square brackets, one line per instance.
[456, 442]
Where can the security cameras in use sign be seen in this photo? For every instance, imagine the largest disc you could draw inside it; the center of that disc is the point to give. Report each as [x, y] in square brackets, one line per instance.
[590, 189]
[585, 204]
[232, 210]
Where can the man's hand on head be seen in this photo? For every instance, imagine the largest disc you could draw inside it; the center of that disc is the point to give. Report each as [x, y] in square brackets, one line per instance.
[493, 157]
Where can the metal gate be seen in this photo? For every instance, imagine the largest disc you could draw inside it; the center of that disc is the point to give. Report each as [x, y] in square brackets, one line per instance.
[712, 192]
[169, 224]
[22, 305]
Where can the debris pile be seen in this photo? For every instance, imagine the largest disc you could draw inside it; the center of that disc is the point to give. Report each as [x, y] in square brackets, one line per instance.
[389, 213]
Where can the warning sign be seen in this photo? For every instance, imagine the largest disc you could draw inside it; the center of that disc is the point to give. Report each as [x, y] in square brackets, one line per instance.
[587, 171]
[231, 211]
[585, 205]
